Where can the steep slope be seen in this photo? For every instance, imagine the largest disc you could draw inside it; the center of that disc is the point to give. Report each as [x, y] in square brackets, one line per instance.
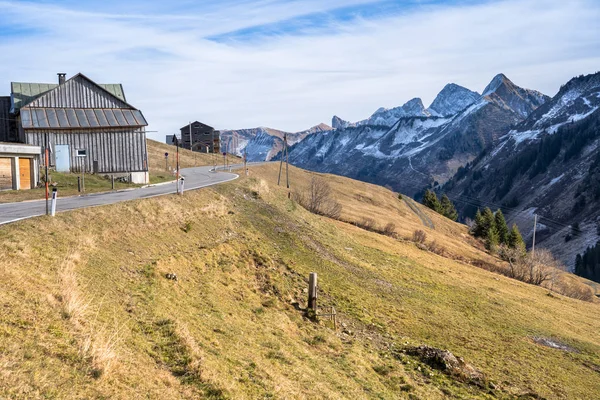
[505, 93]
[91, 313]
[416, 152]
[262, 144]
[548, 165]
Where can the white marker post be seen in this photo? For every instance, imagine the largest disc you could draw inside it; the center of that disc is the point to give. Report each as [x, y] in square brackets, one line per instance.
[181, 180]
[54, 198]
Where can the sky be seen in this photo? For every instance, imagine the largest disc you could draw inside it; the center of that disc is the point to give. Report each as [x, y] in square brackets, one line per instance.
[292, 64]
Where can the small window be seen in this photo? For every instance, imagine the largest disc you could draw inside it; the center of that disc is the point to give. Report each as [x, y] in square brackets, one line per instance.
[81, 153]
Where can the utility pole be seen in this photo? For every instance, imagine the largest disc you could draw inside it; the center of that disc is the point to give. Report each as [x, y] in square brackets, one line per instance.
[190, 129]
[287, 162]
[284, 154]
[46, 167]
[534, 229]
[177, 160]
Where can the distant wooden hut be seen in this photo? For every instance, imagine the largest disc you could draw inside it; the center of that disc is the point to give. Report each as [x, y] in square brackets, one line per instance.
[200, 137]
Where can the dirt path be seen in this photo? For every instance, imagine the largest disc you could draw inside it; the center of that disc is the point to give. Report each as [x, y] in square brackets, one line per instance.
[424, 218]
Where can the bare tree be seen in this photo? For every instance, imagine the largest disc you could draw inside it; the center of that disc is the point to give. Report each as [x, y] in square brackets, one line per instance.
[541, 267]
[535, 268]
[318, 199]
[390, 229]
[419, 236]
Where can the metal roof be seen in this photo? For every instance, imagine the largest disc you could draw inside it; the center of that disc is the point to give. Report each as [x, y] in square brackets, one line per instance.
[194, 123]
[23, 93]
[69, 118]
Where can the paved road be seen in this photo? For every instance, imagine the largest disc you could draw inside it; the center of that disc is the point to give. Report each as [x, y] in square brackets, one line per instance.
[195, 178]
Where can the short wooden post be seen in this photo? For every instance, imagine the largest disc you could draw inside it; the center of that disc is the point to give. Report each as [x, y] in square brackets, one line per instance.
[112, 182]
[333, 317]
[312, 291]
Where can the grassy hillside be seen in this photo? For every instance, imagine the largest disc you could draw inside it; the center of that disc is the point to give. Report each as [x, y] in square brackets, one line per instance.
[89, 312]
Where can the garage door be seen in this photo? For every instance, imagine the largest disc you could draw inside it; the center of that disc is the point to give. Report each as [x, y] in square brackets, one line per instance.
[25, 173]
[5, 173]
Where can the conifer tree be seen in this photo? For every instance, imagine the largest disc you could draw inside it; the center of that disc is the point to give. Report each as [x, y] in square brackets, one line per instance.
[489, 222]
[478, 226]
[448, 209]
[515, 240]
[501, 227]
[430, 200]
[492, 240]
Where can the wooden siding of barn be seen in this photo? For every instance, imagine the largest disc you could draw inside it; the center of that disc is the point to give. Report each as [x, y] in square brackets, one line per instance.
[78, 92]
[116, 150]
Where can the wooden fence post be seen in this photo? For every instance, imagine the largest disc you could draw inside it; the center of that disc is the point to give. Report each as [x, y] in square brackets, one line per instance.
[312, 291]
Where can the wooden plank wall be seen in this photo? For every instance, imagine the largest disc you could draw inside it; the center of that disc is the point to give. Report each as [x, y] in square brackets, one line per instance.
[116, 150]
[6, 181]
[79, 93]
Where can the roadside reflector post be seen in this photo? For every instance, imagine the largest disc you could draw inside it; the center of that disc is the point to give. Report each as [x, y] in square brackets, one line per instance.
[79, 184]
[54, 198]
[312, 291]
[180, 189]
[112, 182]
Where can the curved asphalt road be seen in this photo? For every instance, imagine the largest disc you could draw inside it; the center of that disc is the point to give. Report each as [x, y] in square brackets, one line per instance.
[195, 178]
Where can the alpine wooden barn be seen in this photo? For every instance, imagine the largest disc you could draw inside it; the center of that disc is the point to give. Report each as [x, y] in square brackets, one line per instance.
[87, 126]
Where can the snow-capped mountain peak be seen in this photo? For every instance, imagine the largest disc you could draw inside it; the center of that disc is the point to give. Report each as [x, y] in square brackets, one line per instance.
[338, 123]
[506, 94]
[452, 99]
[498, 81]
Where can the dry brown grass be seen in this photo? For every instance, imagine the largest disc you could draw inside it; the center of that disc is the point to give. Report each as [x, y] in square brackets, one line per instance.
[228, 327]
[97, 342]
[187, 158]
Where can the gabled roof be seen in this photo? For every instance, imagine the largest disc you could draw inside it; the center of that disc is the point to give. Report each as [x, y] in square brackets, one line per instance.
[24, 93]
[194, 123]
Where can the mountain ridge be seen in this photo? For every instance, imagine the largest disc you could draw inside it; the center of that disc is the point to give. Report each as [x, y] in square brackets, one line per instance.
[419, 150]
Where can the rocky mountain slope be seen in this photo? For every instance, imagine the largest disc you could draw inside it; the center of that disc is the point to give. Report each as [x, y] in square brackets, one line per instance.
[262, 144]
[410, 148]
[548, 165]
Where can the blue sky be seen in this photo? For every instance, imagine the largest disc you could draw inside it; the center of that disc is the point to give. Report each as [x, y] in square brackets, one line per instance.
[293, 64]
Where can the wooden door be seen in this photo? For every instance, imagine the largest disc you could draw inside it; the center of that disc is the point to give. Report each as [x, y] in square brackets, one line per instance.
[5, 173]
[25, 173]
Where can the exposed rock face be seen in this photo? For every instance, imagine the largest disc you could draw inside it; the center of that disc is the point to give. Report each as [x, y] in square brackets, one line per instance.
[506, 94]
[448, 363]
[451, 100]
[338, 123]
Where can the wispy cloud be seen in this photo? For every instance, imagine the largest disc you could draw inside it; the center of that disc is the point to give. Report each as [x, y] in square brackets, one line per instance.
[293, 64]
